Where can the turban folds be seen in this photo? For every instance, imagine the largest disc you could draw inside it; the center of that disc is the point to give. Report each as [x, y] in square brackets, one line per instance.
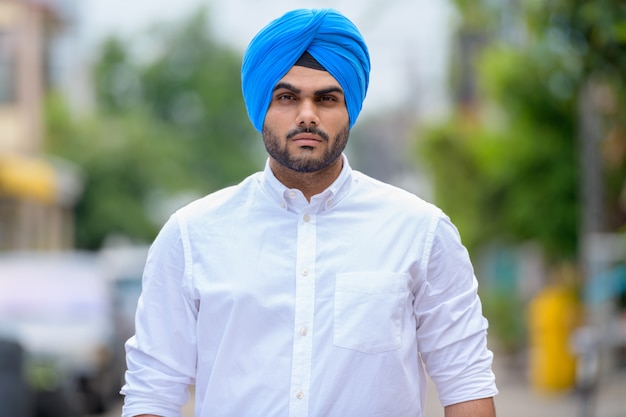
[331, 38]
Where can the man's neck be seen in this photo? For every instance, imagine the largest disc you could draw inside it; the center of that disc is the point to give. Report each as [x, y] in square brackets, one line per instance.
[309, 183]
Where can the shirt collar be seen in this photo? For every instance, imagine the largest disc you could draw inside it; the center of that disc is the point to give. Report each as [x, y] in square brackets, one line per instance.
[292, 199]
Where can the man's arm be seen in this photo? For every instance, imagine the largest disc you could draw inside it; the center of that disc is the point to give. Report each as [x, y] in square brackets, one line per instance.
[477, 408]
[161, 367]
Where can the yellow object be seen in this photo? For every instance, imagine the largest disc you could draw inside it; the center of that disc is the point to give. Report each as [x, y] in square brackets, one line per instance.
[27, 177]
[553, 315]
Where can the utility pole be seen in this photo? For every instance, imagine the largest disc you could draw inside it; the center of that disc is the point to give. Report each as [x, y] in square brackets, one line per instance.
[591, 224]
[591, 185]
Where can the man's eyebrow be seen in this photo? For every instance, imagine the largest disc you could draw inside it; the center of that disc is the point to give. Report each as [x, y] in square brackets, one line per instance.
[290, 87]
[333, 89]
[287, 86]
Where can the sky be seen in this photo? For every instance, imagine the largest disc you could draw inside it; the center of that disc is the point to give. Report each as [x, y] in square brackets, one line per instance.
[408, 39]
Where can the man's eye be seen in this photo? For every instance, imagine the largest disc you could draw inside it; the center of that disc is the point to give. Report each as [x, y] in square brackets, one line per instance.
[327, 99]
[284, 97]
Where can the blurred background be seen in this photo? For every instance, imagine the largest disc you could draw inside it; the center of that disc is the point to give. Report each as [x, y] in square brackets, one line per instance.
[508, 114]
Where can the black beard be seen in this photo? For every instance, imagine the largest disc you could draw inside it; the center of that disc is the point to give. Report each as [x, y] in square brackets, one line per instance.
[304, 164]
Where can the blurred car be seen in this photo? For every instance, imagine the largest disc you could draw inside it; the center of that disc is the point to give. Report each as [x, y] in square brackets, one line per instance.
[58, 307]
[15, 394]
[123, 266]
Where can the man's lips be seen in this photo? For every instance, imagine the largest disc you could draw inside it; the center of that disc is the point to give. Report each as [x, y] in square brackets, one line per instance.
[306, 140]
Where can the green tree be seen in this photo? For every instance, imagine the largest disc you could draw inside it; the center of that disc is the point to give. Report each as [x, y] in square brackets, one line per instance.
[168, 123]
[510, 171]
[192, 84]
[594, 35]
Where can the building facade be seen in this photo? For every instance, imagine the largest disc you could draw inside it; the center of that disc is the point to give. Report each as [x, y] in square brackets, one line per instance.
[37, 193]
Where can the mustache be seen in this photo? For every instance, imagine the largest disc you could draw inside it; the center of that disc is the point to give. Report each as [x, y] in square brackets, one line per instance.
[313, 130]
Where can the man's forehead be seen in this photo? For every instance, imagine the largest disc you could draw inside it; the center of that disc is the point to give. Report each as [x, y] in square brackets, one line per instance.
[304, 78]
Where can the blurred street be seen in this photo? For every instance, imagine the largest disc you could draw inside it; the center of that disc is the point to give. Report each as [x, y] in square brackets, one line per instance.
[517, 398]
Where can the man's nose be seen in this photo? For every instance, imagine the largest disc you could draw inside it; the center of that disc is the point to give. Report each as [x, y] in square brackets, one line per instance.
[307, 113]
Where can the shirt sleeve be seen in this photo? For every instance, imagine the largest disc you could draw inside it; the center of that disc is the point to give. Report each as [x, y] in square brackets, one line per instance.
[161, 356]
[451, 329]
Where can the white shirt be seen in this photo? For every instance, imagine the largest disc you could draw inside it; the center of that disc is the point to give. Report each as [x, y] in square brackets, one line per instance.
[275, 306]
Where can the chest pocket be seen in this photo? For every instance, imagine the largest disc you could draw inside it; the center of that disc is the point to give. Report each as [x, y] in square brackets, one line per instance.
[369, 310]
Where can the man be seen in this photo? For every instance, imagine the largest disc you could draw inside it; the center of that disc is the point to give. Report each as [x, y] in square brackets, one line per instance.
[309, 289]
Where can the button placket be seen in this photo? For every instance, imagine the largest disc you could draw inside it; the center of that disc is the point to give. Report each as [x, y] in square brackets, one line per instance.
[304, 310]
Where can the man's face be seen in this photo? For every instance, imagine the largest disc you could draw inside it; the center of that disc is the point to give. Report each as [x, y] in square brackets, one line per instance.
[307, 125]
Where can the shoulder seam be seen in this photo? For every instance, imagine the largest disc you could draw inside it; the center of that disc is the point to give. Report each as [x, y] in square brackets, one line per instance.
[430, 238]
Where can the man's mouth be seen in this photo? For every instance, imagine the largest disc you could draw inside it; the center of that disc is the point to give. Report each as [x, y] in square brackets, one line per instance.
[307, 140]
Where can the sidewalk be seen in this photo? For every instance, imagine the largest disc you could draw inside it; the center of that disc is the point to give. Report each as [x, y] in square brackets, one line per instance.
[518, 399]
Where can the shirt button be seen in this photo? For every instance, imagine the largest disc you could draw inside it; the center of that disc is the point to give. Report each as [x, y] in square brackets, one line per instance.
[329, 202]
[303, 331]
[304, 273]
[306, 218]
[292, 194]
[299, 395]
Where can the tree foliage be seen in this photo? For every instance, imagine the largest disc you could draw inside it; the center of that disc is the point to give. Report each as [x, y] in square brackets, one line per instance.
[169, 122]
[506, 167]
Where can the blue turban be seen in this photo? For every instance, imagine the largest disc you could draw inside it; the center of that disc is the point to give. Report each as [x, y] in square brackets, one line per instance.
[332, 39]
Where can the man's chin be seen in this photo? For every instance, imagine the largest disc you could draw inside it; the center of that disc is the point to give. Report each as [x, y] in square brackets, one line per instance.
[306, 164]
